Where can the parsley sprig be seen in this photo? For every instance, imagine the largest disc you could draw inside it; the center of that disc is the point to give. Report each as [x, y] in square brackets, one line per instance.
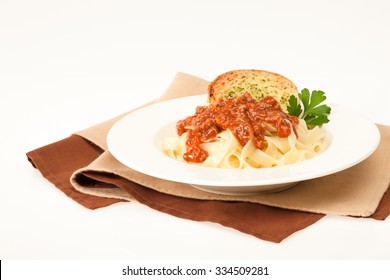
[313, 113]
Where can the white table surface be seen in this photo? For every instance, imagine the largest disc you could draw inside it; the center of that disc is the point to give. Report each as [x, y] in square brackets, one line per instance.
[67, 65]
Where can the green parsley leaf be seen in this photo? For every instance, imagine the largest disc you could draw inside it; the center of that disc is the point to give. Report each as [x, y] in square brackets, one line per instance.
[294, 109]
[314, 114]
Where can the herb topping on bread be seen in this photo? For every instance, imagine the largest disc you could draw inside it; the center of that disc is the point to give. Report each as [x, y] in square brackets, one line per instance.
[258, 83]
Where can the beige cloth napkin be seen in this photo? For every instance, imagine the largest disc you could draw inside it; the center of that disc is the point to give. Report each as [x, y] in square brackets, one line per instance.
[356, 191]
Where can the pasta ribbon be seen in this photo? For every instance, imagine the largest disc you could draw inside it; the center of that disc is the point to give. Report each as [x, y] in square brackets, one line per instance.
[225, 151]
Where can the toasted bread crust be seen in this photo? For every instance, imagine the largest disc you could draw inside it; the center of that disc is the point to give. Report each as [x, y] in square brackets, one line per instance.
[259, 83]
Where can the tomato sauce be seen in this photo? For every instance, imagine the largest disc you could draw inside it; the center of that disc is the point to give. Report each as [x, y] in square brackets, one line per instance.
[246, 117]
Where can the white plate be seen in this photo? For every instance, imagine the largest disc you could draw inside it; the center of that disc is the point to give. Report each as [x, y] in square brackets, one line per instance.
[136, 141]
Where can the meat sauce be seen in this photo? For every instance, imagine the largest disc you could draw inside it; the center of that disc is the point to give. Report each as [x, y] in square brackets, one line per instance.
[246, 117]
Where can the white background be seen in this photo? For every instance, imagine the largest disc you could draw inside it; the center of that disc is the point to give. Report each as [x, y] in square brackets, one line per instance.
[67, 65]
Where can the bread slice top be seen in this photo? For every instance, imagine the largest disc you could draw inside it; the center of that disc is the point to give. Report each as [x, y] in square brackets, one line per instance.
[259, 83]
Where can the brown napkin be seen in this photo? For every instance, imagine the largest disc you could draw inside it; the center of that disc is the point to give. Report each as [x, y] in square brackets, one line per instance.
[101, 180]
[59, 160]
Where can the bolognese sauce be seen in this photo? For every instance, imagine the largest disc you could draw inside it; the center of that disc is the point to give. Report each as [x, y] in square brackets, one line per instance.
[246, 117]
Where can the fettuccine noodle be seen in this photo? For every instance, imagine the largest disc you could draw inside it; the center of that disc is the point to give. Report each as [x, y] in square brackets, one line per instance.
[243, 132]
[225, 151]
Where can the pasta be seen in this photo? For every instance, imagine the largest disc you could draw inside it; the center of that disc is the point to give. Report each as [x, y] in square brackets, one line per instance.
[243, 133]
[225, 151]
